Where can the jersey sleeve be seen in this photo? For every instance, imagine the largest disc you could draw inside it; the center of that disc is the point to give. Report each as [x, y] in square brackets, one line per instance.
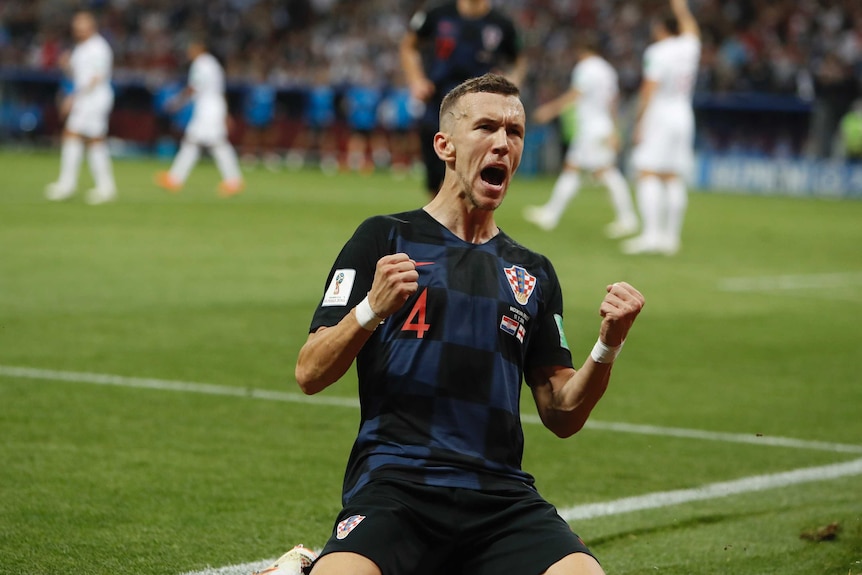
[511, 46]
[423, 23]
[351, 275]
[548, 346]
[652, 63]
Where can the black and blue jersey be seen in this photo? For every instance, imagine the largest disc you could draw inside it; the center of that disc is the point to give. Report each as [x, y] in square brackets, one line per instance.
[440, 380]
[459, 48]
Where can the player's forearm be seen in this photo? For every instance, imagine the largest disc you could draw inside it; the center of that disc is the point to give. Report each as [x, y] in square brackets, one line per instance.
[329, 353]
[687, 22]
[518, 71]
[411, 60]
[574, 402]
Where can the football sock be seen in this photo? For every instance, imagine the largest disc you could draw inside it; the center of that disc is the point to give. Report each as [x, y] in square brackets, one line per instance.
[186, 159]
[71, 156]
[565, 188]
[677, 202]
[651, 203]
[620, 196]
[226, 162]
[99, 159]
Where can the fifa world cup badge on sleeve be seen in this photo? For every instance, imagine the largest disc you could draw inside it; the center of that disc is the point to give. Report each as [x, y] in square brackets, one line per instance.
[338, 292]
[521, 282]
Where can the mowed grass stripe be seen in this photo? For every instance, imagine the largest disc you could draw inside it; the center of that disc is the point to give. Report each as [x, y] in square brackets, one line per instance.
[652, 500]
[324, 400]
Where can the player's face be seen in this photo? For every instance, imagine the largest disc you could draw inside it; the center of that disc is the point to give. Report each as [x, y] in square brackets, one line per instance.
[82, 27]
[489, 142]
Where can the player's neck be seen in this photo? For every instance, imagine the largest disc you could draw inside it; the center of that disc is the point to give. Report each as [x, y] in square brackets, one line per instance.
[473, 8]
[469, 223]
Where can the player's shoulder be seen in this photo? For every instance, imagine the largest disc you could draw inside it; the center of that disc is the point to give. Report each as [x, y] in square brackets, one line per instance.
[386, 223]
[432, 12]
[513, 251]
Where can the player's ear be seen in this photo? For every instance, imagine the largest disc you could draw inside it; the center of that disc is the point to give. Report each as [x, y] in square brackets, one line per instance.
[444, 147]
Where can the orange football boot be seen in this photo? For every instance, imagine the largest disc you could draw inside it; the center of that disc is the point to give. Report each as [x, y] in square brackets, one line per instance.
[166, 182]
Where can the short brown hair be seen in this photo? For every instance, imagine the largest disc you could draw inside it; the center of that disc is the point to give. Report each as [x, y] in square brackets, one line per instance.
[489, 83]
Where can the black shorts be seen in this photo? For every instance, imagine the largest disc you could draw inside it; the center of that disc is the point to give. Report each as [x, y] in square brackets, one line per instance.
[413, 529]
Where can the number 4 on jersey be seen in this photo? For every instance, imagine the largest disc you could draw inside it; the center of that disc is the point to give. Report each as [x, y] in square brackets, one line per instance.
[416, 320]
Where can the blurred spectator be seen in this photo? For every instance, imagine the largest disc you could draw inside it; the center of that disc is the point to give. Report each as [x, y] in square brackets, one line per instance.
[835, 88]
[771, 46]
[851, 132]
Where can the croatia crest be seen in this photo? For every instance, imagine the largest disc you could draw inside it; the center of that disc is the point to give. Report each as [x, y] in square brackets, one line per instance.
[345, 527]
[521, 282]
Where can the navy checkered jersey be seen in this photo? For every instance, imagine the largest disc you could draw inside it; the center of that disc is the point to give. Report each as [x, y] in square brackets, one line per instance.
[440, 379]
[460, 48]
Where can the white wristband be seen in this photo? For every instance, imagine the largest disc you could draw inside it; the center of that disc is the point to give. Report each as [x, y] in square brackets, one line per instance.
[366, 316]
[603, 353]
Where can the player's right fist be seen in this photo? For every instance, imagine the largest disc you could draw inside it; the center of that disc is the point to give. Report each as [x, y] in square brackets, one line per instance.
[395, 280]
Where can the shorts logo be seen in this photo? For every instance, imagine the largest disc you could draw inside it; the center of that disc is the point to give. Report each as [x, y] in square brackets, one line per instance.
[521, 282]
[345, 527]
[338, 292]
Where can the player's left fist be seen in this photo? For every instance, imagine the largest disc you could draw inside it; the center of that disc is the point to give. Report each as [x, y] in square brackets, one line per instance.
[619, 309]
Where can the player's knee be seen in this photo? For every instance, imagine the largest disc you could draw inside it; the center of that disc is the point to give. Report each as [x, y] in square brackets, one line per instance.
[343, 563]
[576, 564]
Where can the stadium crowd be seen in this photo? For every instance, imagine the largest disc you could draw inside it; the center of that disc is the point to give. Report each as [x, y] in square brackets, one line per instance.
[807, 48]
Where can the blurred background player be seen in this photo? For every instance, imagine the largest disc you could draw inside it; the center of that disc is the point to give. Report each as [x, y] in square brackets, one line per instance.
[86, 109]
[594, 90]
[317, 136]
[361, 99]
[446, 45]
[207, 127]
[258, 110]
[664, 132]
[396, 114]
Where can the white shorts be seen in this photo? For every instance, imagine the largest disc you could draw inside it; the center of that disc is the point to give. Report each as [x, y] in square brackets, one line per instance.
[667, 142]
[90, 114]
[208, 125]
[591, 151]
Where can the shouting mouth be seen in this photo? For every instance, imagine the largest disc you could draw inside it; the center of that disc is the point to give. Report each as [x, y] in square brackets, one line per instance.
[493, 175]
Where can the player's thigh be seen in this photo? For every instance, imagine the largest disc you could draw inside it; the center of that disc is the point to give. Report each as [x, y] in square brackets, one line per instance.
[576, 564]
[399, 527]
[89, 117]
[344, 562]
[591, 153]
[516, 531]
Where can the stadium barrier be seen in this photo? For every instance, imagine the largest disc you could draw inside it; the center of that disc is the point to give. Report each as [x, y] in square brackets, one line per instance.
[768, 176]
[28, 112]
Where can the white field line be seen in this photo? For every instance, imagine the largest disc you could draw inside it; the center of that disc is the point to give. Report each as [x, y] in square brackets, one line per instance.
[269, 395]
[655, 500]
[791, 282]
[579, 512]
[713, 490]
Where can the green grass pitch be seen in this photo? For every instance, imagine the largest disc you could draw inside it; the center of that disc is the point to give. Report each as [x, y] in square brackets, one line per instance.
[100, 479]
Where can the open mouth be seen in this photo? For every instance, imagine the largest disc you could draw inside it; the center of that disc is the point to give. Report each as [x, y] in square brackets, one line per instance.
[493, 175]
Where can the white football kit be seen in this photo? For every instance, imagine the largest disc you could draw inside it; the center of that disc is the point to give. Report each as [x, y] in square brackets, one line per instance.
[207, 128]
[91, 60]
[596, 82]
[667, 128]
[208, 124]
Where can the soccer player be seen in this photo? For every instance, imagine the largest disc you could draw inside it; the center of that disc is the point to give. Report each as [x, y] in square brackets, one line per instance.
[207, 127]
[664, 133]
[594, 90]
[86, 110]
[466, 38]
[445, 314]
